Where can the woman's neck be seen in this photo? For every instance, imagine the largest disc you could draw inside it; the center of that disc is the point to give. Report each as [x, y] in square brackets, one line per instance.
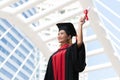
[65, 44]
[69, 42]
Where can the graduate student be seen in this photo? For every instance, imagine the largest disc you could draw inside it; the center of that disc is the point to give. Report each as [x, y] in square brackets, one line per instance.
[70, 58]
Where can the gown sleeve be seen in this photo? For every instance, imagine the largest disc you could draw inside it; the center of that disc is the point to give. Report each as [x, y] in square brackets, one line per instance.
[78, 57]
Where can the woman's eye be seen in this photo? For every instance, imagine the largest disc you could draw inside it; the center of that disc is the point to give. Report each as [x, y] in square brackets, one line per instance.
[62, 33]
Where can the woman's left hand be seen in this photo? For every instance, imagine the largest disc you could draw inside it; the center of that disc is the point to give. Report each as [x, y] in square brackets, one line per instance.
[82, 20]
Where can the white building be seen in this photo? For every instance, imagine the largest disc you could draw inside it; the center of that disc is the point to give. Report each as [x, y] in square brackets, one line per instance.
[28, 36]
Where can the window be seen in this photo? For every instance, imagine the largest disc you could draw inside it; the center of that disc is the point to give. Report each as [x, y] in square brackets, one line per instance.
[30, 63]
[12, 67]
[27, 69]
[6, 23]
[16, 33]
[24, 49]
[15, 60]
[28, 44]
[4, 51]
[23, 76]
[20, 54]
[2, 29]
[6, 73]
[12, 38]
[1, 59]
[7, 43]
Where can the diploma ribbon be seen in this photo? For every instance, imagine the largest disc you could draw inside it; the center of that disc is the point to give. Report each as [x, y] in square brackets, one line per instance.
[86, 14]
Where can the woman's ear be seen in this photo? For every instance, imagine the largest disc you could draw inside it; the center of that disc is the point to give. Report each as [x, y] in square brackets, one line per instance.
[69, 37]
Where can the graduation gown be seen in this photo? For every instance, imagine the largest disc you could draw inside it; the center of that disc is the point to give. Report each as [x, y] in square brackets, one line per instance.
[66, 63]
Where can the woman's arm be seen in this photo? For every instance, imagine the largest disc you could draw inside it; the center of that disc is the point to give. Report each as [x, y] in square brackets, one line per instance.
[80, 33]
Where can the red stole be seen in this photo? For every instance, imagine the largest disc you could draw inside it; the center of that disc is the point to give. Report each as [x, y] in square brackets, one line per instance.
[58, 62]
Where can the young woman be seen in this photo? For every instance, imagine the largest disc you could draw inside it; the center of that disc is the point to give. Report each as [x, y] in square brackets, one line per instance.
[69, 59]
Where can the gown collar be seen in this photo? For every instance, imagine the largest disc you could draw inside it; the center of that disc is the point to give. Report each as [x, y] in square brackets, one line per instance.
[64, 46]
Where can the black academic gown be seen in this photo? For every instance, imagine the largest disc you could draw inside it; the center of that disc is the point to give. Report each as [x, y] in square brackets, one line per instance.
[75, 63]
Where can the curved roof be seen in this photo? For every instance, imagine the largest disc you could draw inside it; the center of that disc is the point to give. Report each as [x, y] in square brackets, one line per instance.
[100, 32]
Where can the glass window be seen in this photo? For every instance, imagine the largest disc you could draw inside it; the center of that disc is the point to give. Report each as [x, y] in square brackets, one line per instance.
[24, 15]
[4, 51]
[16, 79]
[1, 78]
[20, 54]
[28, 44]
[7, 43]
[6, 73]
[26, 0]
[0, 47]
[15, 5]
[30, 12]
[1, 59]
[4, 40]
[21, 2]
[32, 56]
[12, 38]
[30, 63]
[15, 60]
[12, 67]
[2, 29]
[34, 10]
[27, 69]
[17, 33]
[6, 23]
[24, 49]
[35, 24]
[25, 77]
[18, 3]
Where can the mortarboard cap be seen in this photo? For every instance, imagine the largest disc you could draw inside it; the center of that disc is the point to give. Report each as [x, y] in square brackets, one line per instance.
[68, 27]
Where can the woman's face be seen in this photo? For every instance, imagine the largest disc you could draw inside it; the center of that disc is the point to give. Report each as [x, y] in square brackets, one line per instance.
[63, 37]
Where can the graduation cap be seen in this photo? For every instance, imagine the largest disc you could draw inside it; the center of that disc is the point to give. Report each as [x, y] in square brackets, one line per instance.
[68, 27]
